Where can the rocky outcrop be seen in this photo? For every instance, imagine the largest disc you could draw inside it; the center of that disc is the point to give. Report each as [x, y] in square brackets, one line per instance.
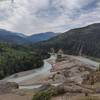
[92, 78]
[7, 87]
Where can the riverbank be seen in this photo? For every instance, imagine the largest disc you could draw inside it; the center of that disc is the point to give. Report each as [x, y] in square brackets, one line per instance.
[36, 76]
[52, 72]
[68, 73]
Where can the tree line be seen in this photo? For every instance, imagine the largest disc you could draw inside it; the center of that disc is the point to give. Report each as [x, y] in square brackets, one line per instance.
[15, 58]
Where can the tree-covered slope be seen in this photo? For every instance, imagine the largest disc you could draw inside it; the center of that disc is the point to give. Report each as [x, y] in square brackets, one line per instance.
[14, 58]
[85, 40]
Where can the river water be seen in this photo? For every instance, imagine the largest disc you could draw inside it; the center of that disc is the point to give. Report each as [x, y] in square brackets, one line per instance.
[34, 73]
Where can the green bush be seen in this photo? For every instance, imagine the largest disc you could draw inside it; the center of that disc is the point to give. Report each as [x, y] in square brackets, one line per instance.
[48, 93]
[42, 96]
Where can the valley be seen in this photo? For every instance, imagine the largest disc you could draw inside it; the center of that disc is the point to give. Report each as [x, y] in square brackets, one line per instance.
[49, 49]
[62, 67]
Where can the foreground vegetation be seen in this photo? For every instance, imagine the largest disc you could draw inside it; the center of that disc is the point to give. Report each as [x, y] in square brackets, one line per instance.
[14, 58]
[49, 93]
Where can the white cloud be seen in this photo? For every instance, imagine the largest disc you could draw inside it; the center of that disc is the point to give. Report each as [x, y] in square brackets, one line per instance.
[33, 16]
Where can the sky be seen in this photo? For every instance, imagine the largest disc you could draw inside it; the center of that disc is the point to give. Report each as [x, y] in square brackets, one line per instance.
[37, 16]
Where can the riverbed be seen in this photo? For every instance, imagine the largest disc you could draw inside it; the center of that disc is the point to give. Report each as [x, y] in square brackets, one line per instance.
[36, 78]
[28, 79]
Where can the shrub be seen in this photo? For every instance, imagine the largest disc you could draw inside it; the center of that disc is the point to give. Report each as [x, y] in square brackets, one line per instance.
[48, 93]
[42, 96]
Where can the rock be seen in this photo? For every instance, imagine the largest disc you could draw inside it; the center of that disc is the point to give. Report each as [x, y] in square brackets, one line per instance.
[44, 87]
[7, 87]
[73, 90]
[98, 90]
[20, 93]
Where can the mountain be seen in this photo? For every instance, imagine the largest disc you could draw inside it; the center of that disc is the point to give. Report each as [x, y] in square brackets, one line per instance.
[19, 38]
[12, 37]
[85, 41]
[41, 37]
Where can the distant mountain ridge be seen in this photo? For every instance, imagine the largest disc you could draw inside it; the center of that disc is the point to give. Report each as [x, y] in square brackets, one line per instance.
[19, 38]
[12, 37]
[79, 41]
[41, 36]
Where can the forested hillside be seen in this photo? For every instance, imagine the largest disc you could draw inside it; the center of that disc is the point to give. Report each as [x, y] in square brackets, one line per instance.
[83, 41]
[14, 58]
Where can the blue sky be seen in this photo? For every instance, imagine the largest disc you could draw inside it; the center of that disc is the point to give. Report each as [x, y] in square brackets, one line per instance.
[35, 16]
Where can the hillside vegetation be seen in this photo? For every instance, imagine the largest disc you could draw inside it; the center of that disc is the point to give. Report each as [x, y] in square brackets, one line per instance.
[85, 41]
[14, 58]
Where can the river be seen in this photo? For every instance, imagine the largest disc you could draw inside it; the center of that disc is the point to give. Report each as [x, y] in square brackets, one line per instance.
[45, 69]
